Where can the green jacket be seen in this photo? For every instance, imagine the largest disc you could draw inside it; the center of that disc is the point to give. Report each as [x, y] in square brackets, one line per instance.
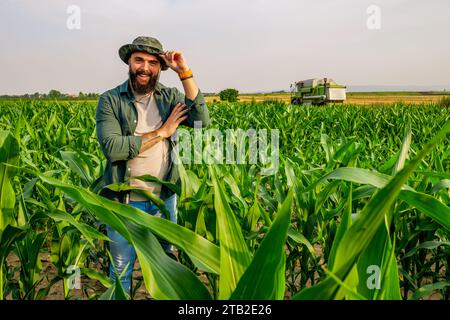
[116, 121]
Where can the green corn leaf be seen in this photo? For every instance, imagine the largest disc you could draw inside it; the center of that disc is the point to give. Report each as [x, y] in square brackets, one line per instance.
[164, 277]
[344, 225]
[9, 154]
[77, 165]
[202, 252]
[443, 184]
[264, 278]
[429, 245]
[89, 232]
[429, 288]
[358, 237]
[301, 239]
[432, 207]
[357, 175]
[426, 203]
[7, 239]
[149, 178]
[234, 254]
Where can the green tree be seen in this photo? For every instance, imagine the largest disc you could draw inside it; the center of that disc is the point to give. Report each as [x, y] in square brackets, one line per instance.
[229, 94]
[54, 94]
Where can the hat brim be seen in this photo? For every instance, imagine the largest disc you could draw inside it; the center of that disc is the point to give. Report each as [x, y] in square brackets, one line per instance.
[126, 50]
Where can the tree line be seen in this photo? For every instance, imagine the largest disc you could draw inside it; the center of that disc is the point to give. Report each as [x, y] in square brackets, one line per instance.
[54, 94]
[228, 94]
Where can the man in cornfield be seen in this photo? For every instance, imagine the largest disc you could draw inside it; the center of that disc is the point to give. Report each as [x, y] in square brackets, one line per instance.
[135, 122]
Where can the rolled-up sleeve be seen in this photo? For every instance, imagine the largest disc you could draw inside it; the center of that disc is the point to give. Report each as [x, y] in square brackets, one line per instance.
[198, 111]
[114, 145]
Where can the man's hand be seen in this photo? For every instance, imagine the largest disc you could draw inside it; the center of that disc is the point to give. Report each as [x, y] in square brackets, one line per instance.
[177, 116]
[175, 60]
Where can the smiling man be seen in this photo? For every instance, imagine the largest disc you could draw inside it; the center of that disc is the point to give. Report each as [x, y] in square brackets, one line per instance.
[134, 123]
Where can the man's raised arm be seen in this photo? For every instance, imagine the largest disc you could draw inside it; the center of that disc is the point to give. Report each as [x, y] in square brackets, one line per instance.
[193, 98]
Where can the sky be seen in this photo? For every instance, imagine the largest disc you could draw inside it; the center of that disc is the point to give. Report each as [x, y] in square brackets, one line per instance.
[250, 45]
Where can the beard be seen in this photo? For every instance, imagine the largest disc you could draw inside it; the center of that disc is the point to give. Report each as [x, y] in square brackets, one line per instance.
[143, 88]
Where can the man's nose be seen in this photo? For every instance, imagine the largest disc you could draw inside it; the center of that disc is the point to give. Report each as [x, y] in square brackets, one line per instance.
[147, 67]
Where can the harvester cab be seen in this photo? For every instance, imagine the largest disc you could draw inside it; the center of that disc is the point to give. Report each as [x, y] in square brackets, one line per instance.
[317, 92]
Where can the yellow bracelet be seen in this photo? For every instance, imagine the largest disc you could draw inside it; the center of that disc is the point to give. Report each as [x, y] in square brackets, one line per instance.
[185, 74]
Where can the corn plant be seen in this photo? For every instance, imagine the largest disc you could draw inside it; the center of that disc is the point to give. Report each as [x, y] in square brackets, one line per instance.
[358, 188]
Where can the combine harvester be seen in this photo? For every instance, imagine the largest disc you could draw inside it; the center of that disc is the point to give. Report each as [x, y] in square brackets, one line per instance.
[317, 92]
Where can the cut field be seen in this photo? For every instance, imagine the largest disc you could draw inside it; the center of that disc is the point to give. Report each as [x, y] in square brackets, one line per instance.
[352, 98]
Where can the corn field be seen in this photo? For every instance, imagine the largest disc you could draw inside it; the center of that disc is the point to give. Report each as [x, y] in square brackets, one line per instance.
[358, 209]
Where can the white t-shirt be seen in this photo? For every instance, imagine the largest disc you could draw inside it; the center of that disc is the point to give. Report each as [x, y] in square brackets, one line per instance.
[154, 161]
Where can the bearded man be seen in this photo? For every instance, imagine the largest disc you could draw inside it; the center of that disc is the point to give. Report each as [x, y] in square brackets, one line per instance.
[134, 124]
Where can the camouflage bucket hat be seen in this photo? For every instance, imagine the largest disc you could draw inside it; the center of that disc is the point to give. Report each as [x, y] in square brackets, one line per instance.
[144, 44]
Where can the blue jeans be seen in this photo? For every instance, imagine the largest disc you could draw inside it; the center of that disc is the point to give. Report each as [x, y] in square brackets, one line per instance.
[123, 252]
